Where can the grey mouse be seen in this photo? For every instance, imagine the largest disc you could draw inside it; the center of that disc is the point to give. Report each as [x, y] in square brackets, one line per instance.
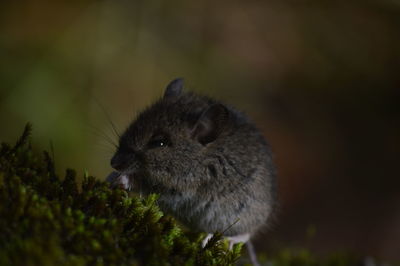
[209, 163]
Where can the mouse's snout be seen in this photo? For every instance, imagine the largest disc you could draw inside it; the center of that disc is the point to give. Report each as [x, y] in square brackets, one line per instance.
[121, 161]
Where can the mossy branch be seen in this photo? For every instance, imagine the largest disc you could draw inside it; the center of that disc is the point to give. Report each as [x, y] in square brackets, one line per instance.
[49, 221]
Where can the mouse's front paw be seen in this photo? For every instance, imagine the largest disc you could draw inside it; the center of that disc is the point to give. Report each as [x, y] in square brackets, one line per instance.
[118, 180]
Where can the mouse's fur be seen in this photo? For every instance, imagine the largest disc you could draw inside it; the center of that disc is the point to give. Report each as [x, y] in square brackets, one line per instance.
[209, 163]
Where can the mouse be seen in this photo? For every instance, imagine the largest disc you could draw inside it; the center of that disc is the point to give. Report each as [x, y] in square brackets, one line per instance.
[210, 165]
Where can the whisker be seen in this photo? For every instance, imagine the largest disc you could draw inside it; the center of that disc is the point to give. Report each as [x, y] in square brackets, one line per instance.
[105, 147]
[101, 134]
[108, 117]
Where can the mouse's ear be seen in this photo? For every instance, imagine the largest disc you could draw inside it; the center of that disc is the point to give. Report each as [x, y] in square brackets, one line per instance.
[211, 124]
[174, 88]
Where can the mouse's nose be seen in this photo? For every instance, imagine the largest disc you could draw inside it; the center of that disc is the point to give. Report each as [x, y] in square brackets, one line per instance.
[120, 161]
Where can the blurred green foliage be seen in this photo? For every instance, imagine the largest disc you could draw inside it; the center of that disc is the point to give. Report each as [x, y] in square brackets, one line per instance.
[59, 58]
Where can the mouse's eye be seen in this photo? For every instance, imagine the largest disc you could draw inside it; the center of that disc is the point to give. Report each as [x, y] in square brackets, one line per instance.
[158, 142]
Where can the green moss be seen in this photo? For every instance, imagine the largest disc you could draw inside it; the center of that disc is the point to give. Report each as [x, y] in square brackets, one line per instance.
[45, 220]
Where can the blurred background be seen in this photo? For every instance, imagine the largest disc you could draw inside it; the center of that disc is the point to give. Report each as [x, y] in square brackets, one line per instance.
[320, 78]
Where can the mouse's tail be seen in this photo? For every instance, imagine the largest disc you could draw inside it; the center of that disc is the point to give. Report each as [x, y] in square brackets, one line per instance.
[252, 253]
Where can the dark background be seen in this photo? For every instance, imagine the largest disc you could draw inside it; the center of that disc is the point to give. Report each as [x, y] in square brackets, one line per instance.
[320, 78]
